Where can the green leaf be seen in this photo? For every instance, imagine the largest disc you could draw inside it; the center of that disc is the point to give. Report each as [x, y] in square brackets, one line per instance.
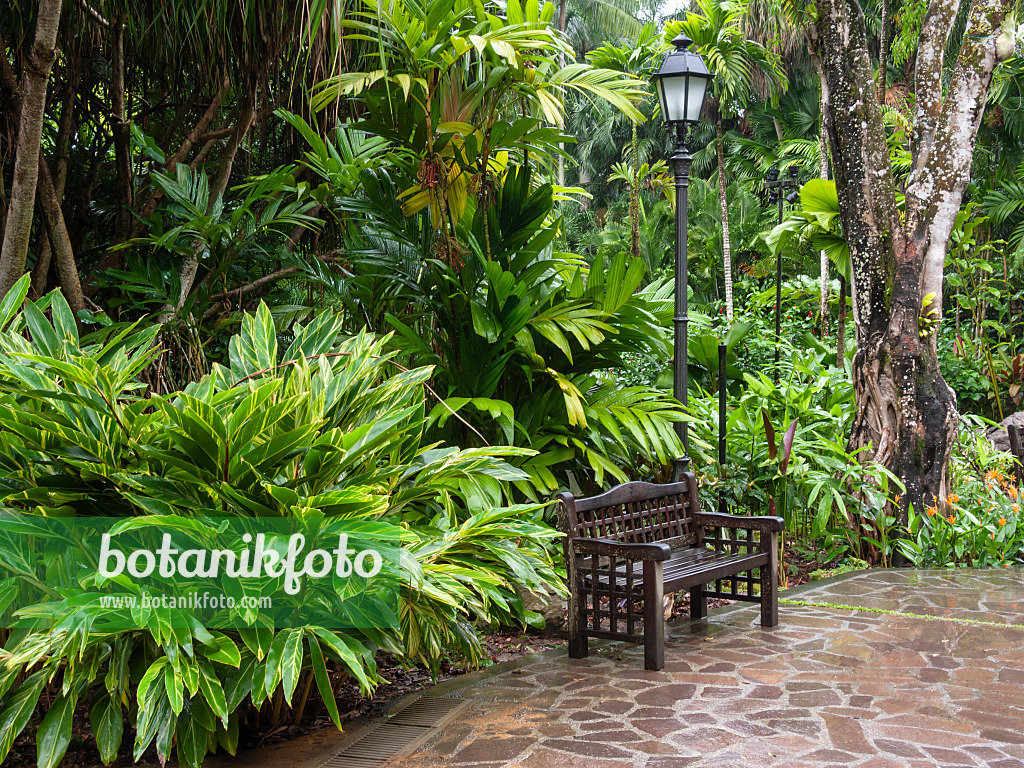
[43, 335]
[63, 318]
[54, 734]
[192, 736]
[107, 726]
[17, 709]
[213, 691]
[323, 682]
[222, 650]
[13, 300]
[291, 662]
[175, 687]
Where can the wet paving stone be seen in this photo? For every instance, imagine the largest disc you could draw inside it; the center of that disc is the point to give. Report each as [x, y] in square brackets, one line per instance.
[828, 687]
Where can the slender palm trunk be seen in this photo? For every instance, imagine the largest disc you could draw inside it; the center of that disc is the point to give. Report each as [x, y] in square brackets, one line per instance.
[634, 201]
[35, 78]
[122, 140]
[723, 201]
[823, 172]
[561, 28]
[841, 326]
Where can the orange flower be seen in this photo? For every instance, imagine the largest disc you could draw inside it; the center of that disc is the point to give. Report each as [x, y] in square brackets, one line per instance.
[932, 511]
[1016, 509]
[1002, 521]
[1012, 490]
[952, 518]
[953, 498]
[994, 474]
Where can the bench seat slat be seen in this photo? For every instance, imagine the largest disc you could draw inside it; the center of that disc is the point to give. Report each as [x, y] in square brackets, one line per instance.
[685, 568]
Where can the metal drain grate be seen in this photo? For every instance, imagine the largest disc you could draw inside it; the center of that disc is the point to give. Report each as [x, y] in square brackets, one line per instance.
[404, 730]
[428, 712]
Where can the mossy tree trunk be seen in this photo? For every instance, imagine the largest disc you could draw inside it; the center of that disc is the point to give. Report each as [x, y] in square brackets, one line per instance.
[906, 413]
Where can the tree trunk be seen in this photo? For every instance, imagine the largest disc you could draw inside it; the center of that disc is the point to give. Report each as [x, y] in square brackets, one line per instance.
[53, 218]
[906, 413]
[724, 203]
[30, 131]
[65, 128]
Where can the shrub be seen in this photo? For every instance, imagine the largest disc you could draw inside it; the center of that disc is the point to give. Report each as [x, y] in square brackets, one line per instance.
[978, 524]
[332, 429]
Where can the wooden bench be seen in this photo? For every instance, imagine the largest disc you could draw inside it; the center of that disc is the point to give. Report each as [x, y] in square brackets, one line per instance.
[639, 541]
[1017, 450]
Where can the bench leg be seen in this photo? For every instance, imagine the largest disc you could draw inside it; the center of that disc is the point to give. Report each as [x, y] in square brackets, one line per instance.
[654, 616]
[578, 646]
[698, 602]
[770, 581]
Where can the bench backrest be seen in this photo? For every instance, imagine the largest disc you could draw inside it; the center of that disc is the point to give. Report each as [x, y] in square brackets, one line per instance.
[636, 513]
[1017, 449]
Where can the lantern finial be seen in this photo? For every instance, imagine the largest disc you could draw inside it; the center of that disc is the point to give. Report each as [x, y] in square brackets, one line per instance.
[681, 41]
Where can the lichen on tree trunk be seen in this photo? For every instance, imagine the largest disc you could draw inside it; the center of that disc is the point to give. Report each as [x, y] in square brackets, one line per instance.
[906, 413]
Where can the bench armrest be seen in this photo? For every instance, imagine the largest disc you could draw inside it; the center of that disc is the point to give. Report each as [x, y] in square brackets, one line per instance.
[761, 523]
[609, 548]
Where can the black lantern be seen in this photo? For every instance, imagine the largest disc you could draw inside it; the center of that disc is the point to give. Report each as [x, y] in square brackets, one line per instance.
[682, 83]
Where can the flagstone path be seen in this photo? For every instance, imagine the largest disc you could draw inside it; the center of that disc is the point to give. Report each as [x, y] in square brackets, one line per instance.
[923, 686]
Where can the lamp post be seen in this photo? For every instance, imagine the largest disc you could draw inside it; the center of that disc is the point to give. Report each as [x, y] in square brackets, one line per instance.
[681, 83]
[775, 187]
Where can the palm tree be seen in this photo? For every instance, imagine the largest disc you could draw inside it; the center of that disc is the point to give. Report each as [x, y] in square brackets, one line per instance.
[734, 61]
[586, 22]
[641, 58]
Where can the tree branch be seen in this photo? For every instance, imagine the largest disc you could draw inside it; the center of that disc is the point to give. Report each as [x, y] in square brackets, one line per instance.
[255, 285]
[931, 50]
[938, 190]
[179, 156]
[93, 13]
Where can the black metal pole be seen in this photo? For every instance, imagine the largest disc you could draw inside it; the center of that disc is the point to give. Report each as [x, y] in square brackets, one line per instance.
[778, 297]
[722, 349]
[681, 159]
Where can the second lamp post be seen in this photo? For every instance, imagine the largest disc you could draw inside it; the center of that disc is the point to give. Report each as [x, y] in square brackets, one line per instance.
[774, 186]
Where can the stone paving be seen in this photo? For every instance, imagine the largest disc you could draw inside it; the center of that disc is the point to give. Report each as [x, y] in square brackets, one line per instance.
[827, 687]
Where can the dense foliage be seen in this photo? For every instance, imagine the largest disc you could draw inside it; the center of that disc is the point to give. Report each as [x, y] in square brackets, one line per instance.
[327, 430]
[409, 265]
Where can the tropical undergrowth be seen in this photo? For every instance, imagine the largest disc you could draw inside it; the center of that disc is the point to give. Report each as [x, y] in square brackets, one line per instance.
[326, 429]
